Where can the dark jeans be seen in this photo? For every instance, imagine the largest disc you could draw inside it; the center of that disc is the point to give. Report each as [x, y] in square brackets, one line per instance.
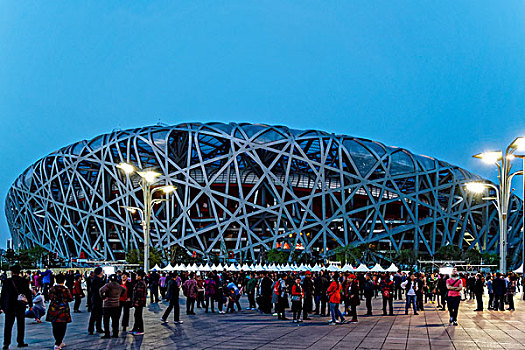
[174, 305]
[368, 304]
[510, 300]
[388, 301]
[139, 321]
[46, 291]
[491, 300]
[124, 310]
[95, 319]
[453, 307]
[499, 302]
[78, 300]
[479, 300]
[112, 313]
[154, 294]
[200, 300]
[59, 331]
[353, 311]
[10, 317]
[443, 300]
[190, 304]
[210, 302]
[320, 300]
[251, 299]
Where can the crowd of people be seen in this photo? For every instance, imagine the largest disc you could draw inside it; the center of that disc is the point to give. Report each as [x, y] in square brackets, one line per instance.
[109, 299]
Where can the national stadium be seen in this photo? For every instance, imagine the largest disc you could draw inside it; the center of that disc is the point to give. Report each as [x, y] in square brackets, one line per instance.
[248, 188]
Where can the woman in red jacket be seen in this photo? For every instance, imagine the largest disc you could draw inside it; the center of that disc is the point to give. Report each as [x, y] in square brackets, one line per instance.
[78, 293]
[297, 300]
[334, 296]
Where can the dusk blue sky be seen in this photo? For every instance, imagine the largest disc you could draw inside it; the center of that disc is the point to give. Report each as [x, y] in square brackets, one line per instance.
[440, 78]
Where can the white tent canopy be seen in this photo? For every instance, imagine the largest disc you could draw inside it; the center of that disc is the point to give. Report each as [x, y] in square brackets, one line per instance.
[156, 268]
[347, 268]
[519, 269]
[392, 268]
[362, 268]
[377, 268]
[168, 268]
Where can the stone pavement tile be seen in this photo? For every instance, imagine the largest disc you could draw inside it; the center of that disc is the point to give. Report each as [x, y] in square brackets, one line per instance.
[394, 346]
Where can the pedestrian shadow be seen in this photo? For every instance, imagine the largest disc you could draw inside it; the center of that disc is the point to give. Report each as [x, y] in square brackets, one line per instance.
[155, 308]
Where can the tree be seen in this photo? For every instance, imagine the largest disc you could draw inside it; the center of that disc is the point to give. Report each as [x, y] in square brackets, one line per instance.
[135, 256]
[349, 254]
[406, 256]
[473, 256]
[448, 252]
[276, 256]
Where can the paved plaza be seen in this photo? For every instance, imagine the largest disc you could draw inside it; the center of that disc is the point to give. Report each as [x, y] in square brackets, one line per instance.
[252, 330]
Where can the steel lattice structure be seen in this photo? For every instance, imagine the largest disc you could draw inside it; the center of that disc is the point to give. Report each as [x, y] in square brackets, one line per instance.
[249, 188]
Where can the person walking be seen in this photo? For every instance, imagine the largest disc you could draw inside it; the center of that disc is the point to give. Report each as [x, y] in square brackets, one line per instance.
[454, 286]
[153, 281]
[47, 276]
[297, 300]
[140, 294]
[410, 286]
[210, 287]
[387, 291]
[110, 294]
[172, 295]
[58, 312]
[189, 289]
[353, 297]
[95, 319]
[77, 293]
[368, 293]
[13, 300]
[334, 297]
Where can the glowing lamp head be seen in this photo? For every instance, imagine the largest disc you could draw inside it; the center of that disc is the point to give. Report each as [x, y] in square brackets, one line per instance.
[150, 176]
[476, 187]
[491, 157]
[127, 168]
[168, 189]
[518, 144]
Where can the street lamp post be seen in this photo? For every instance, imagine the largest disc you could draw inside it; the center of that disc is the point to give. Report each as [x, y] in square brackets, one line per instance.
[148, 178]
[504, 163]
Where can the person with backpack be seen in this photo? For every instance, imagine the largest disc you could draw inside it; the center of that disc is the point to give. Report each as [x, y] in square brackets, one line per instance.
[334, 297]
[387, 291]
[280, 289]
[59, 313]
[189, 288]
[297, 300]
[454, 286]
[13, 300]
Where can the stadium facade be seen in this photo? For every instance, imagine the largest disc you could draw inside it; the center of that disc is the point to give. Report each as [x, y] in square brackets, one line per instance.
[248, 188]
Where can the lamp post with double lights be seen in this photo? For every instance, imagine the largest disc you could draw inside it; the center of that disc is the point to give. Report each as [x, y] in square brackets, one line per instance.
[148, 179]
[503, 191]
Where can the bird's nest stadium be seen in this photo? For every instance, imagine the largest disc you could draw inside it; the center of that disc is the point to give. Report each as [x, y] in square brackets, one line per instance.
[248, 188]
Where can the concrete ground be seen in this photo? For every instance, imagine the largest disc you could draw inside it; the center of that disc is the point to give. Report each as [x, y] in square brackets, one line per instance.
[252, 330]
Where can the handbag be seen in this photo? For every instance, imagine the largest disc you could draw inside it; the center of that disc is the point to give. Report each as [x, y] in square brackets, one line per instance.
[20, 297]
[386, 293]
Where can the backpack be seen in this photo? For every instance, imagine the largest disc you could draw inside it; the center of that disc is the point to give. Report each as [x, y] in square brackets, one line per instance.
[277, 288]
[185, 290]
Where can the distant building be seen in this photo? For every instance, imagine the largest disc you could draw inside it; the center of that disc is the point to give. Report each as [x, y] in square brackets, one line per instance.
[9, 244]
